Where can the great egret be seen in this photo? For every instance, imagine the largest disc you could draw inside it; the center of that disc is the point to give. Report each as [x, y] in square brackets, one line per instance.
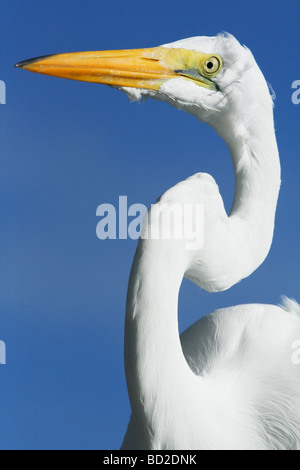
[229, 381]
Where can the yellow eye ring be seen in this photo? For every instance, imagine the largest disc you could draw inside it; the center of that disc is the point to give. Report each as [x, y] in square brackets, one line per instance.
[212, 65]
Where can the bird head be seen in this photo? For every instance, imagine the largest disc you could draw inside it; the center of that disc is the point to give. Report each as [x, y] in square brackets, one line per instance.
[205, 76]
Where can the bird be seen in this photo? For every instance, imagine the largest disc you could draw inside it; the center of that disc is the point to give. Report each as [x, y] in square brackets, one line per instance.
[228, 382]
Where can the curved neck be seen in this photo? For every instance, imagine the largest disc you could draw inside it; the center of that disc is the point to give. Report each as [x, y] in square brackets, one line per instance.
[251, 139]
[257, 170]
[156, 370]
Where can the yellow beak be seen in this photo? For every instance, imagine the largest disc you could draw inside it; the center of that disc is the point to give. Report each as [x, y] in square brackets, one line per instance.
[137, 68]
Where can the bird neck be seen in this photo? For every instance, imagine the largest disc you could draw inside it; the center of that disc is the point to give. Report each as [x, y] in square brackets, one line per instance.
[154, 362]
[256, 164]
[158, 377]
[252, 143]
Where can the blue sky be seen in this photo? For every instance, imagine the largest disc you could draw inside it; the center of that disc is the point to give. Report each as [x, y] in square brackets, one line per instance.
[67, 147]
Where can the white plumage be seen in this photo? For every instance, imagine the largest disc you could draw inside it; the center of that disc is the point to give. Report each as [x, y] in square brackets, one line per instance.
[229, 382]
[241, 389]
[242, 393]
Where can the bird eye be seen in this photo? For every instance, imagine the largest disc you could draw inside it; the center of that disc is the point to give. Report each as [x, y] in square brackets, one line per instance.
[212, 65]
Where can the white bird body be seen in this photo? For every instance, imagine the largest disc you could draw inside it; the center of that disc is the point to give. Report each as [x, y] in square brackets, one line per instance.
[229, 381]
[238, 393]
